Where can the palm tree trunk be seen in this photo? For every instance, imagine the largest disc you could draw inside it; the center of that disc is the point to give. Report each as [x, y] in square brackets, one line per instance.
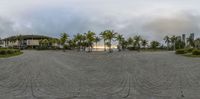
[104, 45]
[174, 46]
[96, 46]
[167, 46]
[110, 46]
[19, 44]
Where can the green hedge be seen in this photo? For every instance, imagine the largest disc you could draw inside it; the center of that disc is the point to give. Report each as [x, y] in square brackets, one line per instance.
[8, 51]
[180, 51]
[189, 50]
[196, 52]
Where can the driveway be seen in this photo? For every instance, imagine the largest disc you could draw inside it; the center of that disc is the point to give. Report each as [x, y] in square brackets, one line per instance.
[99, 75]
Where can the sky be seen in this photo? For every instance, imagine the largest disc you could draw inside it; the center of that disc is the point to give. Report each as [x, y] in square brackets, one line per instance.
[152, 19]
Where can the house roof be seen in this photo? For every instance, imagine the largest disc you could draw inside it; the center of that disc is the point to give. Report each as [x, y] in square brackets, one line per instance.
[28, 37]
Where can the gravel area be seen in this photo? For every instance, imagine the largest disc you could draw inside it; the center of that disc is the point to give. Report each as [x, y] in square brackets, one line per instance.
[99, 75]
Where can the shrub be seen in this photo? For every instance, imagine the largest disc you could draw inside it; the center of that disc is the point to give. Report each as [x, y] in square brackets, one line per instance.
[3, 52]
[189, 50]
[196, 52]
[180, 51]
[10, 51]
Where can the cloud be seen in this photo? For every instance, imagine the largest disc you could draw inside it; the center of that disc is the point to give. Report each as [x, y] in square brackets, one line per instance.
[6, 26]
[179, 23]
[152, 19]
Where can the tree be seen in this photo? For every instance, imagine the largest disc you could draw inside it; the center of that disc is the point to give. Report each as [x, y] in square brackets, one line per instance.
[154, 44]
[63, 39]
[110, 35]
[124, 44]
[130, 43]
[53, 42]
[72, 44]
[103, 36]
[167, 40]
[97, 39]
[1, 42]
[80, 40]
[173, 40]
[144, 43]
[179, 43]
[44, 43]
[120, 40]
[190, 41]
[19, 39]
[137, 40]
[90, 38]
[197, 43]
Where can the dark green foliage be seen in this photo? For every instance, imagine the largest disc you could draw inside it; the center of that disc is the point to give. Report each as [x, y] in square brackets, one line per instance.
[189, 50]
[154, 44]
[196, 52]
[2, 52]
[180, 51]
[8, 51]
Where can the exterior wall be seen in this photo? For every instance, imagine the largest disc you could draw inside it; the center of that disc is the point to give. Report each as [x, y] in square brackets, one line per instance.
[33, 42]
[11, 44]
[25, 43]
[2, 44]
[55, 45]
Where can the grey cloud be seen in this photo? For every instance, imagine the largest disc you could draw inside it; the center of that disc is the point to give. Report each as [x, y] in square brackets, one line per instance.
[6, 26]
[73, 19]
[178, 24]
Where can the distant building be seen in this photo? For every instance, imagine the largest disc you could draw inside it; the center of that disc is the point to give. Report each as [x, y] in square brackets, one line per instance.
[192, 36]
[25, 41]
[183, 38]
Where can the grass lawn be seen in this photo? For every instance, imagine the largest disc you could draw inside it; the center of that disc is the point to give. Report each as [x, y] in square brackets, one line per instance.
[11, 55]
[151, 50]
[190, 55]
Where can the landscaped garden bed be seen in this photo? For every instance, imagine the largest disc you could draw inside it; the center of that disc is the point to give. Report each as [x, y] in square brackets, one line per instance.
[189, 52]
[4, 52]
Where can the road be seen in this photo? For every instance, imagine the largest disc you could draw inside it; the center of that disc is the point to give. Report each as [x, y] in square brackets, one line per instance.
[99, 75]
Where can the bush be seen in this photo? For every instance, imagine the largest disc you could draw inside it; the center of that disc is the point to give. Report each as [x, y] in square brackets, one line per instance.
[180, 51]
[3, 52]
[8, 51]
[189, 50]
[196, 52]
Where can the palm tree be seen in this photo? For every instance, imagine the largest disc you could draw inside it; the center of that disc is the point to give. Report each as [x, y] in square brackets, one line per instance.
[179, 43]
[137, 40]
[97, 39]
[63, 39]
[154, 44]
[173, 41]
[110, 35]
[124, 44]
[79, 40]
[144, 43]
[19, 39]
[167, 40]
[53, 42]
[120, 40]
[72, 43]
[103, 36]
[197, 43]
[130, 43]
[190, 41]
[90, 38]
